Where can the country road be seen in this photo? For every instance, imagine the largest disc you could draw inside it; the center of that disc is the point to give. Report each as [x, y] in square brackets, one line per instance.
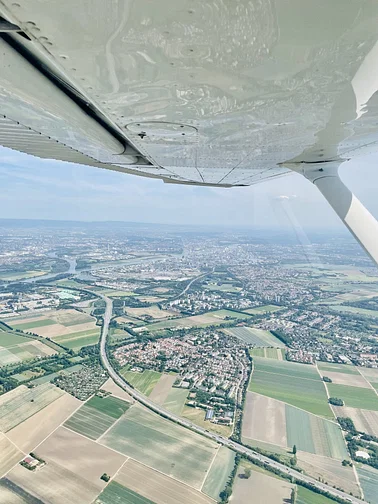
[200, 430]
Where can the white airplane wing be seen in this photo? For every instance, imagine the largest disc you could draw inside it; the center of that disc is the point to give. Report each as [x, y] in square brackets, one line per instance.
[210, 92]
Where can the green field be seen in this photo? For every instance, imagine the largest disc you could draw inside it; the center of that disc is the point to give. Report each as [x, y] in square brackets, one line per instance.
[305, 496]
[26, 375]
[355, 311]
[9, 338]
[219, 472]
[31, 325]
[144, 382]
[355, 397]
[268, 352]
[96, 416]
[296, 384]
[175, 400]
[224, 287]
[7, 357]
[22, 403]
[313, 434]
[79, 339]
[369, 481]
[257, 352]
[254, 336]
[337, 368]
[115, 493]
[162, 445]
[21, 275]
[264, 309]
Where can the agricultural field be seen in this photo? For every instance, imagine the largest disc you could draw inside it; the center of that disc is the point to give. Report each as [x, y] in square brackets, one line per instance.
[70, 328]
[144, 382]
[313, 434]
[75, 341]
[54, 324]
[355, 397]
[22, 349]
[11, 497]
[330, 367]
[52, 483]
[12, 276]
[330, 470]
[364, 420]
[162, 388]
[224, 287]
[9, 454]
[39, 322]
[354, 311]
[371, 375]
[115, 492]
[96, 416]
[22, 403]
[305, 496]
[154, 485]
[268, 352]
[148, 312]
[296, 384]
[262, 487]
[211, 318]
[219, 472]
[348, 379]
[264, 309]
[80, 455]
[271, 421]
[36, 428]
[115, 390]
[264, 420]
[257, 352]
[254, 336]
[175, 400]
[117, 293]
[162, 445]
[369, 482]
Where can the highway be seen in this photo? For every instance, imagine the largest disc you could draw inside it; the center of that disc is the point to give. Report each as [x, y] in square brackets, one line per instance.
[200, 430]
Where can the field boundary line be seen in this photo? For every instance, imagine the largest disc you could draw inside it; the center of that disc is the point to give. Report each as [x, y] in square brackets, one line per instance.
[367, 381]
[18, 461]
[117, 471]
[209, 468]
[60, 425]
[112, 425]
[14, 444]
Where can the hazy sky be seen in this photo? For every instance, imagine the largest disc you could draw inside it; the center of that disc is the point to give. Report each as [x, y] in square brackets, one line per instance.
[40, 189]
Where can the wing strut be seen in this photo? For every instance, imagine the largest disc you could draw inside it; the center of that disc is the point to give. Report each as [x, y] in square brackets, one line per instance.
[351, 211]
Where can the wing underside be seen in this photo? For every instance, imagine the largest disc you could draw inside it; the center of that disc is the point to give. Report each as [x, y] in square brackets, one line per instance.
[198, 92]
